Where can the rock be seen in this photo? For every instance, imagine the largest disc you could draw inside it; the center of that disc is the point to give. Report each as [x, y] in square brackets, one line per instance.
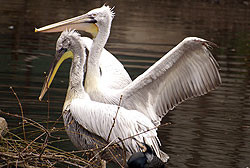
[3, 126]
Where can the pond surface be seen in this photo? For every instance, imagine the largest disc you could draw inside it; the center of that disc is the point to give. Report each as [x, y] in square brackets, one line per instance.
[209, 131]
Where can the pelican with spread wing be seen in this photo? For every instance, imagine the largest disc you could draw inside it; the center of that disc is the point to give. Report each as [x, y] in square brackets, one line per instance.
[188, 70]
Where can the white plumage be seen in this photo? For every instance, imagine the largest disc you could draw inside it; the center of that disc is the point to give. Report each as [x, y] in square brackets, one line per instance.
[113, 72]
[94, 119]
[188, 70]
[98, 118]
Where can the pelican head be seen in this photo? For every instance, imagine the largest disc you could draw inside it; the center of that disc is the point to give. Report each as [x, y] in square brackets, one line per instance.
[65, 47]
[90, 22]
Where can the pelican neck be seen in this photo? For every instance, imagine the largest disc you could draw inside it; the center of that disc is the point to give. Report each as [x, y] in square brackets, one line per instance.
[93, 66]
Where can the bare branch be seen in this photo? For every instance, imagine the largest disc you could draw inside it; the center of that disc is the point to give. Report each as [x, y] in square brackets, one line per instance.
[114, 119]
[21, 108]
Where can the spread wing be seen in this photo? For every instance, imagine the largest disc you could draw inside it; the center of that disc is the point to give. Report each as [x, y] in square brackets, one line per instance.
[187, 71]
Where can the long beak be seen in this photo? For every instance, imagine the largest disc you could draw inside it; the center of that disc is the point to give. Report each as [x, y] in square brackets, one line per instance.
[141, 145]
[59, 58]
[84, 22]
[144, 149]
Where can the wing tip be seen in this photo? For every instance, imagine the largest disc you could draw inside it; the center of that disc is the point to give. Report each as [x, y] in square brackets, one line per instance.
[204, 42]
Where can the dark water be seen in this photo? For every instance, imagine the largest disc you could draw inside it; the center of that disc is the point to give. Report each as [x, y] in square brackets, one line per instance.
[209, 131]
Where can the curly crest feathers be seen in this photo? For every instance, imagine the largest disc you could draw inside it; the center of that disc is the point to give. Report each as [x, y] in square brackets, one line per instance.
[111, 10]
[66, 38]
[70, 32]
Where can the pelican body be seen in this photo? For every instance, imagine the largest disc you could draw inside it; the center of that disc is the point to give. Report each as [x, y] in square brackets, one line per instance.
[87, 122]
[188, 70]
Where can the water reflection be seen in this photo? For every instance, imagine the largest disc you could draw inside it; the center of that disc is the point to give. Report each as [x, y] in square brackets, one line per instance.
[210, 131]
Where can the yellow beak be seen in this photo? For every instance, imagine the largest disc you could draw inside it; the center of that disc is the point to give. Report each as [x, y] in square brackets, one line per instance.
[83, 22]
[144, 149]
[59, 58]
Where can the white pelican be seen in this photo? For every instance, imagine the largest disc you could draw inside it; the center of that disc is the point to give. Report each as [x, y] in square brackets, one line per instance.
[88, 122]
[188, 70]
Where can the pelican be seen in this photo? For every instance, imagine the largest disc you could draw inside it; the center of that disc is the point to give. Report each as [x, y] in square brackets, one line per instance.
[88, 122]
[188, 70]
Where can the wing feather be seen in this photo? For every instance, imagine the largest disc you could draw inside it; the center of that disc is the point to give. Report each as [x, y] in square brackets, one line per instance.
[128, 123]
[188, 70]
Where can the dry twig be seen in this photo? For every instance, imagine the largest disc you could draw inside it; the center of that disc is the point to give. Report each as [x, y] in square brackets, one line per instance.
[15, 151]
[114, 118]
[21, 108]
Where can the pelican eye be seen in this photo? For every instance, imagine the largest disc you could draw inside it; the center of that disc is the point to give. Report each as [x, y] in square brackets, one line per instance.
[100, 71]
